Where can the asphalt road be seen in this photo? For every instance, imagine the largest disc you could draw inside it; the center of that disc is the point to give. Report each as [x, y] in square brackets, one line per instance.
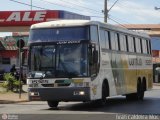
[116, 108]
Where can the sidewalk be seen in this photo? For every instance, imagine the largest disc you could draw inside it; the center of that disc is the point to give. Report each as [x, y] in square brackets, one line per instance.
[10, 97]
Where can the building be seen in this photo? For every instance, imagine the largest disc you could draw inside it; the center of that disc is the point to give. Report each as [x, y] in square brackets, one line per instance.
[154, 32]
[9, 53]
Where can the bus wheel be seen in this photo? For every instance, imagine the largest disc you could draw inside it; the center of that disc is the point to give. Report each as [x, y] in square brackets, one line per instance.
[104, 94]
[139, 95]
[140, 91]
[53, 104]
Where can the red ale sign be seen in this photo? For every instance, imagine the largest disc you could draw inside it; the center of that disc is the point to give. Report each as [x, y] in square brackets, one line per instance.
[26, 18]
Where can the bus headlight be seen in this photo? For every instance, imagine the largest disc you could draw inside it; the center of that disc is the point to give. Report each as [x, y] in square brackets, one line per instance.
[81, 93]
[34, 93]
[78, 93]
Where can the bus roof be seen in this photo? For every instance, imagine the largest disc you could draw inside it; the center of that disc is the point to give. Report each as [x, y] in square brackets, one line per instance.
[71, 23]
[61, 23]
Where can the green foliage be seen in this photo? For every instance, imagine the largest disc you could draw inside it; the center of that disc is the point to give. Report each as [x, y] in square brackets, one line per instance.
[11, 83]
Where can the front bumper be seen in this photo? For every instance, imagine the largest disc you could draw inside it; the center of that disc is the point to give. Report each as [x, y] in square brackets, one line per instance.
[59, 94]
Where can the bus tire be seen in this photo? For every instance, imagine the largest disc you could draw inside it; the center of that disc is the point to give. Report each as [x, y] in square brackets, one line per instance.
[140, 90]
[53, 104]
[144, 84]
[105, 92]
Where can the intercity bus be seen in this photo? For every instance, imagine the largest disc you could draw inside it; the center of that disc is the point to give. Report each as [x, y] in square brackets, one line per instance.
[82, 60]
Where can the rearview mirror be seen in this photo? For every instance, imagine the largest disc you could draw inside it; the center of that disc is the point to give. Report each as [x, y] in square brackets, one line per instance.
[95, 56]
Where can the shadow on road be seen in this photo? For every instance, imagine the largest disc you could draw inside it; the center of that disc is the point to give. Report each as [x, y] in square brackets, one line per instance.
[117, 105]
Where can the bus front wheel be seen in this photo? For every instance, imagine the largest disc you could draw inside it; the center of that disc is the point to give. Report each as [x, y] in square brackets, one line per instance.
[53, 104]
[105, 92]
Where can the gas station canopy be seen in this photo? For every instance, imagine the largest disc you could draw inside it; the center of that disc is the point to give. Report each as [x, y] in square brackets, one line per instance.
[15, 21]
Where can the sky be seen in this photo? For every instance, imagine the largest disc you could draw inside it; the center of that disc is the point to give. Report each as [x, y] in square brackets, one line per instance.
[123, 12]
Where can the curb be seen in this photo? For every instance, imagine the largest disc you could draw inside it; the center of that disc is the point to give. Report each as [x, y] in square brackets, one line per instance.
[12, 102]
[156, 84]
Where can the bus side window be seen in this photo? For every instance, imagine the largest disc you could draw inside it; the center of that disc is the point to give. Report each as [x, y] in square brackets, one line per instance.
[148, 47]
[93, 60]
[141, 44]
[131, 44]
[107, 39]
[102, 38]
[123, 42]
[134, 45]
[112, 36]
[138, 47]
[118, 47]
[94, 34]
[126, 40]
[144, 44]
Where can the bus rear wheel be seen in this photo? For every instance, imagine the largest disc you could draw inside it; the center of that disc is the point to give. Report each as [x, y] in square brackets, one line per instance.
[53, 104]
[140, 93]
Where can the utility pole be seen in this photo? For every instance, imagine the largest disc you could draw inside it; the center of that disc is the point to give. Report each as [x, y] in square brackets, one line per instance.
[31, 5]
[105, 11]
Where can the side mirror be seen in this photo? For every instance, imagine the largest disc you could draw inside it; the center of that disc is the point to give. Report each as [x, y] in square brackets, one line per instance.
[95, 56]
[158, 69]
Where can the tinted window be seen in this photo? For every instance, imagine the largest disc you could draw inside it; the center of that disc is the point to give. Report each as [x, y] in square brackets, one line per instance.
[107, 39]
[112, 35]
[138, 46]
[117, 42]
[126, 39]
[123, 42]
[144, 44]
[148, 47]
[102, 39]
[114, 41]
[68, 33]
[94, 33]
[130, 44]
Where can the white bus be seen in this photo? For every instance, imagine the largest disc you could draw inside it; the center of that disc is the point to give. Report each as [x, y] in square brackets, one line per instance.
[81, 60]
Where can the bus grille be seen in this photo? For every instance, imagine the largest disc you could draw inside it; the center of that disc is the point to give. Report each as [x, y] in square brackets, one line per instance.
[55, 85]
[47, 85]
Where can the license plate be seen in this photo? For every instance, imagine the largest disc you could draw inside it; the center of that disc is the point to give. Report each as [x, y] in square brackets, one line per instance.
[39, 81]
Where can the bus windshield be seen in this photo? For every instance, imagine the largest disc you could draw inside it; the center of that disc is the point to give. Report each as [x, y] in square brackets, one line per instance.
[59, 34]
[67, 61]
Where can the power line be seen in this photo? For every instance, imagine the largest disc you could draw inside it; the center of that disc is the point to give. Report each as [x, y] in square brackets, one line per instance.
[58, 4]
[28, 4]
[66, 2]
[111, 20]
[116, 22]
[120, 19]
[80, 6]
[113, 5]
[63, 6]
